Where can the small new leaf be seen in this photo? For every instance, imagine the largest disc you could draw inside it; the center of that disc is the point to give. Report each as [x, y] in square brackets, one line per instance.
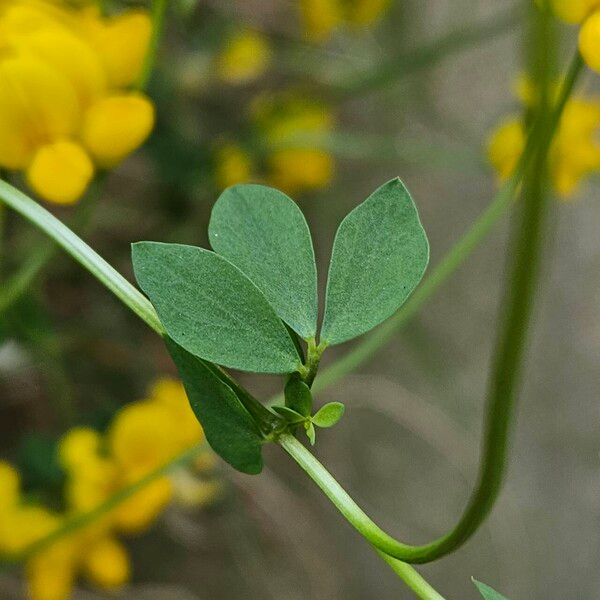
[264, 233]
[379, 255]
[487, 592]
[210, 308]
[291, 416]
[310, 432]
[298, 396]
[329, 414]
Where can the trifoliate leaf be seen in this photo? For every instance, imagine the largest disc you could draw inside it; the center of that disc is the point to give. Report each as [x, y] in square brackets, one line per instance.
[487, 592]
[229, 428]
[291, 416]
[211, 309]
[379, 255]
[329, 414]
[264, 233]
[298, 395]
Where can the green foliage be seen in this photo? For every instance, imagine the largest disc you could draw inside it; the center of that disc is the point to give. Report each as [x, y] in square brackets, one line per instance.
[310, 432]
[264, 233]
[290, 415]
[487, 592]
[211, 309]
[329, 414]
[298, 396]
[379, 256]
[244, 305]
[229, 427]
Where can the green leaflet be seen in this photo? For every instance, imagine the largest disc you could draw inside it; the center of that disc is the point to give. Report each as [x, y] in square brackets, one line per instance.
[379, 255]
[487, 592]
[211, 309]
[329, 414]
[229, 428]
[298, 396]
[264, 233]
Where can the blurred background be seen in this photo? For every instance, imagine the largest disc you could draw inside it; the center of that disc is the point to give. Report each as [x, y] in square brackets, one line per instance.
[328, 105]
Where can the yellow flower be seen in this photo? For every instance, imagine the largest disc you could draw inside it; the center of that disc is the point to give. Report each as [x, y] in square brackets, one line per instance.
[505, 146]
[288, 125]
[589, 41]
[121, 41]
[64, 106]
[232, 165]
[9, 486]
[575, 151]
[137, 513]
[77, 447]
[106, 564]
[321, 17]
[573, 11]
[60, 171]
[245, 57]
[115, 126]
[170, 394]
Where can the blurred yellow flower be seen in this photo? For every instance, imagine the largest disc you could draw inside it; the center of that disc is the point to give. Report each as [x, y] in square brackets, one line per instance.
[321, 17]
[291, 127]
[575, 151]
[589, 41]
[245, 57]
[232, 165]
[65, 107]
[573, 11]
[143, 437]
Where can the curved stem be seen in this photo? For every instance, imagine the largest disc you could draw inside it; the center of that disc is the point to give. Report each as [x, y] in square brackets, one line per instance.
[522, 283]
[82, 253]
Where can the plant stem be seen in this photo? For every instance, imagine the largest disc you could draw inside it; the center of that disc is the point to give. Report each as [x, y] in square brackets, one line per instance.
[508, 361]
[411, 578]
[82, 253]
[159, 8]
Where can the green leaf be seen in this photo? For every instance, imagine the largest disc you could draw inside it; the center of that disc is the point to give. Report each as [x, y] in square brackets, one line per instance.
[379, 255]
[298, 395]
[310, 432]
[229, 428]
[291, 416]
[487, 592]
[210, 308]
[264, 233]
[329, 414]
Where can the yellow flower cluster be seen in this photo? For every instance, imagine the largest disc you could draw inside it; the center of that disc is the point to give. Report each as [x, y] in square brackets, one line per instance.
[245, 57]
[290, 128]
[142, 437]
[575, 151]
[587, 13]
[321, 17]
[67, 105]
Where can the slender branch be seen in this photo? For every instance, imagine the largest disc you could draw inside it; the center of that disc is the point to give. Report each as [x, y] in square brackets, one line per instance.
[521, 287]
[159, 8]
[82, 253]
[411, 578]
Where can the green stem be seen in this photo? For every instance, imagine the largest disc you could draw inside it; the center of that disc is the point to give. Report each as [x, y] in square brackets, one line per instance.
[82, 253]
[521, 287]
[411, 578]
[159, 8]
[41, 254]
